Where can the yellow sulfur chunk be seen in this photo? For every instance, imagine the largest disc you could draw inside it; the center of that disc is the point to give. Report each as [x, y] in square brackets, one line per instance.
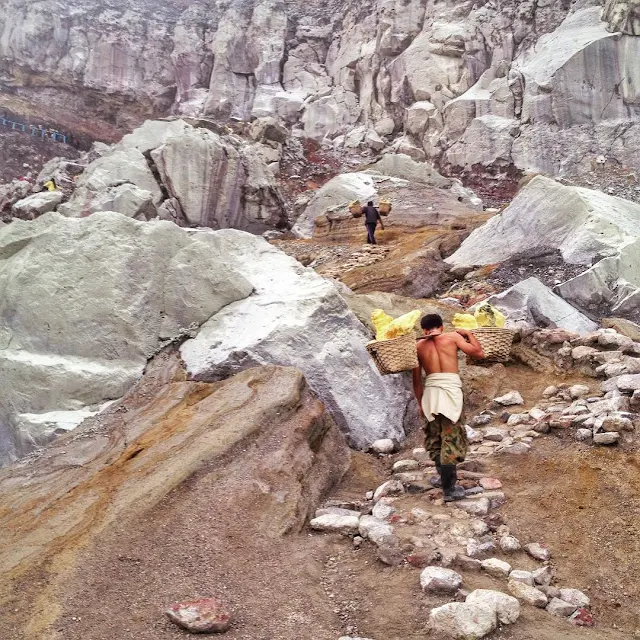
[381, 322]
[403, 325]
[387, 328]
[488, 316]
[464, 321]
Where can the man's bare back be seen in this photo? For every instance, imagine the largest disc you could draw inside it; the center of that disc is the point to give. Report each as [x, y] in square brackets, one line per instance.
[438, 353]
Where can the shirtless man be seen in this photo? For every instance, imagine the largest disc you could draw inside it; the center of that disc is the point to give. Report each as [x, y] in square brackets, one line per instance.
[440, 398]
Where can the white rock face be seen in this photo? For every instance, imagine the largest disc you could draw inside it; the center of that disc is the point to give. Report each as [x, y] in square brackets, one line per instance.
[475, 84]
[298, 318]
[581, 223]
[80, 332]
[339, 191]
[530, 303]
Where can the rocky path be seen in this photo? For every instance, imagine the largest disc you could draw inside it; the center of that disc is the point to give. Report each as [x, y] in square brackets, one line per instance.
[468, 569]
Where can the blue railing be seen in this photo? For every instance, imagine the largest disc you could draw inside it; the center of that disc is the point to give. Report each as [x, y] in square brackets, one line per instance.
[35, 130]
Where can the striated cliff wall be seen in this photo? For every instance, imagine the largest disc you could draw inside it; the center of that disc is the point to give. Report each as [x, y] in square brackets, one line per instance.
[536, 84]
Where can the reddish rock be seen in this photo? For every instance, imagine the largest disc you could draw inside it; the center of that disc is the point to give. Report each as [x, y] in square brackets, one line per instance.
[490, 484]
[582, 618]
[200, 616]
[422, 559]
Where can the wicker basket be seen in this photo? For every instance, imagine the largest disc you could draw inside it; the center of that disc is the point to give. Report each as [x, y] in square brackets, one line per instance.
[394, 356]
[356, 209]
[384, 208]
[495, 342]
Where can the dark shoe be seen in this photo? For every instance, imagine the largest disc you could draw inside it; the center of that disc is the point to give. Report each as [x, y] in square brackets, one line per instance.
[449, 477]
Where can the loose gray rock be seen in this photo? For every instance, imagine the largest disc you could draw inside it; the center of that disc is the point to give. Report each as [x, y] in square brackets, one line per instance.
[543, 576]
[463, 620]
[526, 577]
[528, 594]
[538, 551]
[467, 564]
[510, 544]
[478, 549]
[507, 607]
[385, 445]
[382, 510]
[476, 507]
[578, 391]
[575, 596]
[584, 435]
[510, 399]
[560, 608]
[440, 580]
[496, 568]
[606, 438]
[406, 465]
[375, 530]
[346, 525]
[388, 488]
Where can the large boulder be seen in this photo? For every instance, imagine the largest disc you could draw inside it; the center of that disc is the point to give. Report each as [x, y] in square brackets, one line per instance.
[110, 291]
[188, 174]
[531, 303]
[36, 204]
[219, 184]
[612, 286]
[297, 318]
[581, 223]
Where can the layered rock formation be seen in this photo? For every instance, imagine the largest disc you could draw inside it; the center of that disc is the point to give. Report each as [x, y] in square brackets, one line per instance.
[86, 302]
[469, 85]
[259, 448]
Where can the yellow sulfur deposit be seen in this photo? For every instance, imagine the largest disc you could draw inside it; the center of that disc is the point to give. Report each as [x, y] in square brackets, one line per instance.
[488, 316]
[464, 321]
[485, 316]
[387, 328]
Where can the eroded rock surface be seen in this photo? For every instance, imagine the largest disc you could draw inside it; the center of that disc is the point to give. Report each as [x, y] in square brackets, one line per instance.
[258, 448]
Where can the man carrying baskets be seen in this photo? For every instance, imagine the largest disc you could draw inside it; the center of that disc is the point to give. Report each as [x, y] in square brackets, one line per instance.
[440, 398]
[371, 219]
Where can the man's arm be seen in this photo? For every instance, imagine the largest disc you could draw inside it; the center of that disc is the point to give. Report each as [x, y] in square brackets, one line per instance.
[472, 348]
[417, 387]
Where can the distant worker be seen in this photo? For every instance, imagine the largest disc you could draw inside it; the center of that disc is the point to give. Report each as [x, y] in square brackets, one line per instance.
[371, 219]
[50, 185]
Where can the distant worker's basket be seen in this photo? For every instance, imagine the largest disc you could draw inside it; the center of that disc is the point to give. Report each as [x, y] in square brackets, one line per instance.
[394, 356]
[356, 209]
[496, 343]
[384, 207]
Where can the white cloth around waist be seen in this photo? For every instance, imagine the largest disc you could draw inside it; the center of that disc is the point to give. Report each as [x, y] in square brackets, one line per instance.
[442, 395]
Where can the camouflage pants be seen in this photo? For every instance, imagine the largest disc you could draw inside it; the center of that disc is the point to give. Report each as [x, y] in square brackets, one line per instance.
[446, 440]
